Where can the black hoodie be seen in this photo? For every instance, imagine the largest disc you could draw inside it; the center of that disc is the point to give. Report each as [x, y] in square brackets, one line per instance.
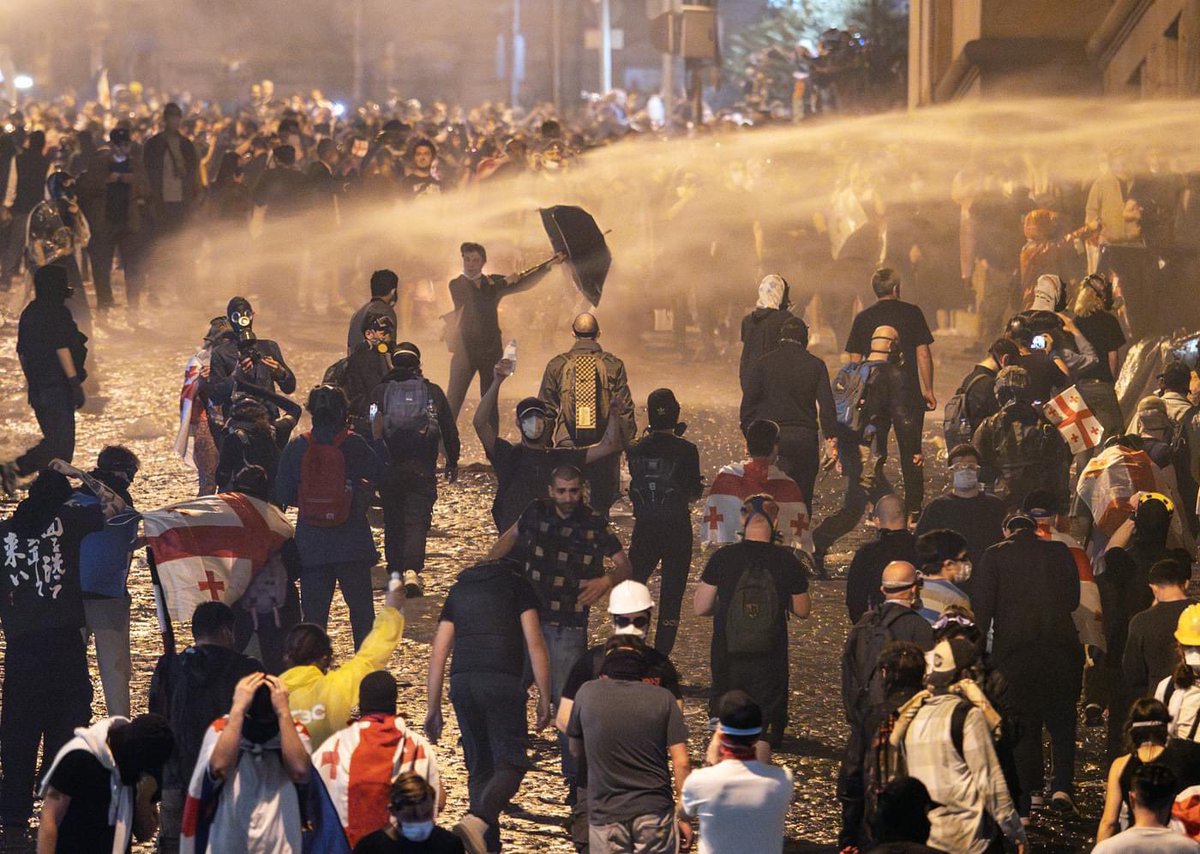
[760, 335]
[46, 326]
[420, 450]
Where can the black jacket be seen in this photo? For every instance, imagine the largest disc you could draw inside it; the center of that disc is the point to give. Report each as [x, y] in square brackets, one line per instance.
[225, 370]
[421, 451]
[760, 335]
[1025, 590]
[156, 151]
[865, 575]
[789, 385]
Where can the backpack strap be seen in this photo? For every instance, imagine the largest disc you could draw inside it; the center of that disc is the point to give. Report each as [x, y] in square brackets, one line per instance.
[958, 722]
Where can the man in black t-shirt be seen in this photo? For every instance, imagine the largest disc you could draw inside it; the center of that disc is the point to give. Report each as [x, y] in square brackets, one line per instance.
[966, 509]
[489, 618]
[762, 670]
[523, 470]
[111, 768]
[916, 389]
[41, 610]
[418, 177]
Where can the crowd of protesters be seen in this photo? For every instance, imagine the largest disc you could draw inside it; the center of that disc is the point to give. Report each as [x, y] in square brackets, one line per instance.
[1055, 570]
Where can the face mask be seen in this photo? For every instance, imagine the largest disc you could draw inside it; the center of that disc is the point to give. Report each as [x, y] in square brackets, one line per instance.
[416, 831]
[1191, 656]
[966, 480]
[532, 426]
[964, 570]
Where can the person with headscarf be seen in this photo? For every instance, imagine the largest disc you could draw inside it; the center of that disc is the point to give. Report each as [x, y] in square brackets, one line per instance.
[761, 327]
[52, 352]
[41, 610]
[98, 794]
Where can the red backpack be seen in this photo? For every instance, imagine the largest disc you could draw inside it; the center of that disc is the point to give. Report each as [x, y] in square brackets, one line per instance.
[325, 491]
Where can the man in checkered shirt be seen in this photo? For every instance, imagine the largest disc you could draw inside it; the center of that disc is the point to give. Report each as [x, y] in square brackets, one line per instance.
[563, 544]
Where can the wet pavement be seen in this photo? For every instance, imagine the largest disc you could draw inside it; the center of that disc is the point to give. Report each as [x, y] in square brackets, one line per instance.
[139, 370]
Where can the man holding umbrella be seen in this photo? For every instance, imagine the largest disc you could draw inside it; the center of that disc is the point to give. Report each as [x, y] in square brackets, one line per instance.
[473, 334]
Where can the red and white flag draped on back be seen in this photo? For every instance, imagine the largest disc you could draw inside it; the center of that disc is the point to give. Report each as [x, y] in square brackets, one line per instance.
[1109, 482]
[208, 549]
[1069, 412]
[722, 520]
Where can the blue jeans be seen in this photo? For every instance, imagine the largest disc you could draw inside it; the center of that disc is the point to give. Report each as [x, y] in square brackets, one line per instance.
[565, 645]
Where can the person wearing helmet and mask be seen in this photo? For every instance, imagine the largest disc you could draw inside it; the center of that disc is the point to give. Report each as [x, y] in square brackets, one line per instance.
[339, 551]
[245, 359]
[761, 327]
[749, 641]
[1024, 592]
[57, 229]
[664, 470]
[1047, 327]
[581, 385]
[523, 469]
[52, 352]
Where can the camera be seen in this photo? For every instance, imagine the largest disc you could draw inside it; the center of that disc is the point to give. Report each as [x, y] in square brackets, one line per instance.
[247, 343]
[1040, 342]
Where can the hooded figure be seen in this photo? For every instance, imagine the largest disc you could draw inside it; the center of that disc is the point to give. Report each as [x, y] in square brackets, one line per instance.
[761, 327]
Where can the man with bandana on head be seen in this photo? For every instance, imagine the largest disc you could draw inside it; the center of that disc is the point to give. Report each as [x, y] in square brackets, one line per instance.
[523, 469]
[761, 327]
[748, 588]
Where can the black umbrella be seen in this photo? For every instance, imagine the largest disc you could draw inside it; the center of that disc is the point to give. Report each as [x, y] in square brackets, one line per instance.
[574, 233]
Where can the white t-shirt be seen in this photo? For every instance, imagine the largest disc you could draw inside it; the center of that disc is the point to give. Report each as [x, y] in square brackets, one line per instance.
[1148, 840]
[741, 806]
[259, 810]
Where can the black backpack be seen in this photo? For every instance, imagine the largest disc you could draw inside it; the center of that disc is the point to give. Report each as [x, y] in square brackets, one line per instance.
[862, 684]
[652, 486]
[752, 623]
[957, 424]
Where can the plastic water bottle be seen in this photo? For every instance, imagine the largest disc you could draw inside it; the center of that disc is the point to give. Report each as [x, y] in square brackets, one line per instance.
[510, 353]
[395, 582]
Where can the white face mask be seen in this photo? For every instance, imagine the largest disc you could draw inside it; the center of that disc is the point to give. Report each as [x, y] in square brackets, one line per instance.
[964, 570]
[532, 427]
[416, 831]
[1191, 656]
[966, 480]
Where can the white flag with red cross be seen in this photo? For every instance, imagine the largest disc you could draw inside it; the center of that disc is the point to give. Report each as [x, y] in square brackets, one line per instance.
[721, 522]
[208, 549]
[1069, 412]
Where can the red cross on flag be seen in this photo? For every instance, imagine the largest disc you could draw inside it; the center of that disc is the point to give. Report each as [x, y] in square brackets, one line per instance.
[207, 549]
[721, 519]
[1069, 412]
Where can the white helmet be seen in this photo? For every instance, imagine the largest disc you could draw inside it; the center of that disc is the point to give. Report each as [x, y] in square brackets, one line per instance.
[630, 597]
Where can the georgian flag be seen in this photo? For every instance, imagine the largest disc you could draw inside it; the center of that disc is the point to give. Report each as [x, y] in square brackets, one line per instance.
[1109, 482]
[359, 763]
[208, 549]
[1087, 616]
[1069, 412]
[188, 414]
[722, 519]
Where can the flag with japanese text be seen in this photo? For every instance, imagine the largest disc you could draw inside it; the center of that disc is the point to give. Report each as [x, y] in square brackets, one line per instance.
[359, 763]
[1069, 412]
[722, 520]
[208, 549]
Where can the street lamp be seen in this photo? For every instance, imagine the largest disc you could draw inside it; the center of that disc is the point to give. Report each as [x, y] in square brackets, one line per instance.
[23, 82]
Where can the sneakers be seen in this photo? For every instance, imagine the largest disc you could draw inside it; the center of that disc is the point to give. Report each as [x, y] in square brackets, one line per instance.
[1093, 715]
[413, 588]
[8, 478]
[1061, 802]
[470, 830]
